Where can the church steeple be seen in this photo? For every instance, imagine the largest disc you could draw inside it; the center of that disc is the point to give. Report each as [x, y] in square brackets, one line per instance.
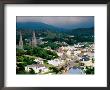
[20, 42]
[34, 42]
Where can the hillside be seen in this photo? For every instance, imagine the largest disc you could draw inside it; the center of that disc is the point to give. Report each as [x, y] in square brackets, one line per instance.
[37, 26]
[42, 28]
[82, 31]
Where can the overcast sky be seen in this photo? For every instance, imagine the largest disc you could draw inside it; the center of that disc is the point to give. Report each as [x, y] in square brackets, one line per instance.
[61, 21]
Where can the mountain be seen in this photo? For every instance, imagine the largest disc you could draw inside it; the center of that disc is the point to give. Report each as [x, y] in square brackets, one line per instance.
[82, 31]
[37, 26]
[40, 27]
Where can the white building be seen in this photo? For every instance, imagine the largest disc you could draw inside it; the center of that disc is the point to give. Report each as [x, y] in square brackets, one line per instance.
[77, 52]
[39, 60]
[68, 52]
[56, 62]
[37, 68]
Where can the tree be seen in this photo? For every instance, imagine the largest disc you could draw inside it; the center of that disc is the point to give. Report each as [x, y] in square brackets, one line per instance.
[89, 70]
[31, 71]
[20, 52]
[20, 69]
[54, 69]
[19, 58]
[43, 53]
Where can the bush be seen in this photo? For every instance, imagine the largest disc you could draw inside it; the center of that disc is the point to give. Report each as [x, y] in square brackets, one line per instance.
[89, 70]
[40, 52]
[31, 71]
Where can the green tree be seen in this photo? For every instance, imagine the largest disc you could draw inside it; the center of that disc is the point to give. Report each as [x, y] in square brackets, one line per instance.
[54, 69]
[31, 71]
[20, 52]
[89, 70]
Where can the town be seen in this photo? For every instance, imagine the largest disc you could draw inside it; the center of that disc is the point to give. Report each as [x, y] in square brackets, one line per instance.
[38, 56]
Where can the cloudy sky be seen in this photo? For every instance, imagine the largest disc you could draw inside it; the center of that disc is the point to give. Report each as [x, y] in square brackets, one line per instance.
[67, 22]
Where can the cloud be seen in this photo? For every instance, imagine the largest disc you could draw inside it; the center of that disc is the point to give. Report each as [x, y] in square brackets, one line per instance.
[59, 21]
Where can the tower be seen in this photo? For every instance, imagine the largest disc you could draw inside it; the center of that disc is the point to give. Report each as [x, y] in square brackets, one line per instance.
[34, 42]
[20, 42]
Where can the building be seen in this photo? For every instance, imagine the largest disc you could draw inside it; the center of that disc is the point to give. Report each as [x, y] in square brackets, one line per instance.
[85, 58]
[38, 68]
[56, 62]
[20, 42]
[34, 41]
[39, 60]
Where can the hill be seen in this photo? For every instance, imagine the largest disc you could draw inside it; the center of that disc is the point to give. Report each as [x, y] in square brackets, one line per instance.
[37, 26]
[40, 27]
[82, 31]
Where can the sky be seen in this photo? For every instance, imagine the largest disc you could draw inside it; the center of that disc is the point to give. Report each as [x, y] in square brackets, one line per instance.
[67, 22]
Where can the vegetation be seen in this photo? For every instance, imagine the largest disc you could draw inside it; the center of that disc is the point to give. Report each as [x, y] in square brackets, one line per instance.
[89, 70]
[57, 70]
[54, 69]
[26, 57]
[31, 71]
[26, 60]
[46, 64]
[80, 35]
[20, 69]
[20, 52]
[43, 53]
[53, 38]
[52, 45]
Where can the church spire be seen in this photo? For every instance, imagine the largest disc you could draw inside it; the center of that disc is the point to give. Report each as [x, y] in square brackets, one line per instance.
[21, 42]
[34, 42]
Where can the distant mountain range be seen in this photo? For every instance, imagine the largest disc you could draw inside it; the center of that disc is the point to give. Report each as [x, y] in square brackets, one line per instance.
[39, 26]
[82, 31]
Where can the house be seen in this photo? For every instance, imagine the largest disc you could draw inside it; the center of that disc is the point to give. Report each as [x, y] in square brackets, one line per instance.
[39, 60]
[88, 63]
[77, 52]
[55, 62]
[85, 58]
[37, 68]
